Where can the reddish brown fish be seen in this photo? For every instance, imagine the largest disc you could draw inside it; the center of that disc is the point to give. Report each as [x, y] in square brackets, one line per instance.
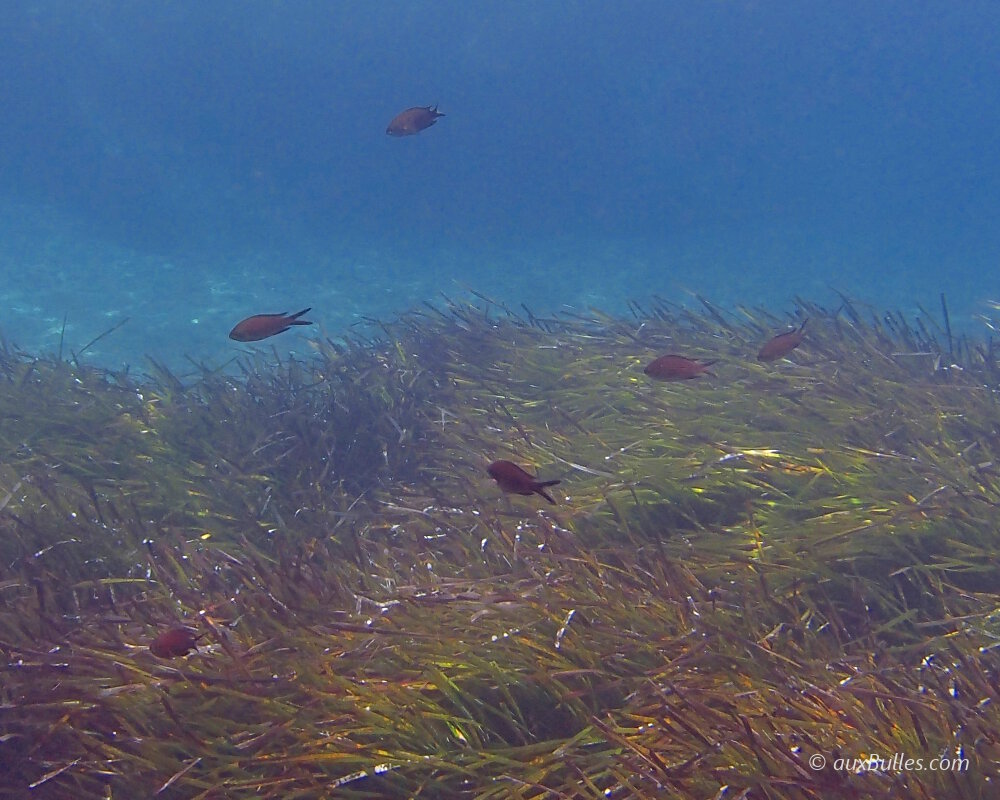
[175, 642]
[260, 326]
[514, 480]
[677, 368]
[413, 120]
[782, 344]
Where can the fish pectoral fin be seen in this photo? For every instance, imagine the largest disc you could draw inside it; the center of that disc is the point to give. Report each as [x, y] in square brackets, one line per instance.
[540, 490]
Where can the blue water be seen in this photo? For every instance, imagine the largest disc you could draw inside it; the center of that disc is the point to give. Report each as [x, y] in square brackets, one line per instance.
[187, 164]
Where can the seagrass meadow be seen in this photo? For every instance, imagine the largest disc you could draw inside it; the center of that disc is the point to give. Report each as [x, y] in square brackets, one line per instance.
[742, 572]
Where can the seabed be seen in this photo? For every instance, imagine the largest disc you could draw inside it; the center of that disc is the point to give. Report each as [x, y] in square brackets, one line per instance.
[742, 572]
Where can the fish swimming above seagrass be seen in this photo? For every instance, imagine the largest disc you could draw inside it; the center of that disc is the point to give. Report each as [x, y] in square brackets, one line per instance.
[260, 326]
[178, 641]
[782, 344]
[514, 480]
[413, 120]
[676, 368]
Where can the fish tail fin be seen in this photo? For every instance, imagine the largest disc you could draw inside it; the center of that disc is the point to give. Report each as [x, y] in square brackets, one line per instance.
[434, 109]
[293, 319]
[540, 488]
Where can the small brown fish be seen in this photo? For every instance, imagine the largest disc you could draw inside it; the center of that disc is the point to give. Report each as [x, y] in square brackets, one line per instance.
[677, 368]
[782, 344]
[260, 326]
[514, 480]
[413, 120]
[175, 642]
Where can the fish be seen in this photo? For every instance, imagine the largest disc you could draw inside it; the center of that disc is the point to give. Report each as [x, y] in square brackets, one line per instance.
[413, 120]
[514, 480]
[177, 641]
[782, 344]
[260, 326]
[676, 368]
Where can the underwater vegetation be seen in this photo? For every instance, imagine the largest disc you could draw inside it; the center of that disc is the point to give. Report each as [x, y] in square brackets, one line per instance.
[297, 580]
